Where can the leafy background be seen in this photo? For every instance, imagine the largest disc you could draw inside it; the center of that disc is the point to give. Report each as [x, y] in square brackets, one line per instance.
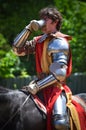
[16, 14]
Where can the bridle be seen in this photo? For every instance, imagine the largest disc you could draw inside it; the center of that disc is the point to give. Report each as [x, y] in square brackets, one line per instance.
[15, 113]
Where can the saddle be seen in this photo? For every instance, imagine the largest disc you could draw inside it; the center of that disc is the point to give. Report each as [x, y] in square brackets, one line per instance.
[39, 104]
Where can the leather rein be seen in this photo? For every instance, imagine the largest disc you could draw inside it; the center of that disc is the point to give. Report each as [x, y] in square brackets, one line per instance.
[15, 113]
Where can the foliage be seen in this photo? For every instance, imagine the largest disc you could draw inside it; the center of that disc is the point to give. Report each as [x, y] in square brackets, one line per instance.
[9, 62]
[15, 15]
[4, 47]
[10, 66]
[74, 24]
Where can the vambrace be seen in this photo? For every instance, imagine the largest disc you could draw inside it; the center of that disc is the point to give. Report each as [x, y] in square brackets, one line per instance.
[57, 74]
[47, 81]
[39, 85]
[21, 38]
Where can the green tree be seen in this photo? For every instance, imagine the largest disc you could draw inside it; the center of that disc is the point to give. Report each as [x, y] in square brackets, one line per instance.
[9, 62]
[74, 24]
[15, 15]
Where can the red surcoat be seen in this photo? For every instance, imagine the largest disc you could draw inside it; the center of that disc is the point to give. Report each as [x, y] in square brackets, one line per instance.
[51, 93]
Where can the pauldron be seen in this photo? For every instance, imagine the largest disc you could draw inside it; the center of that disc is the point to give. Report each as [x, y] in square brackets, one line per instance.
[59, 49]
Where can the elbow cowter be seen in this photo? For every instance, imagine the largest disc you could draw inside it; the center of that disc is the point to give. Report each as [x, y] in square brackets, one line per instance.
[58, 70]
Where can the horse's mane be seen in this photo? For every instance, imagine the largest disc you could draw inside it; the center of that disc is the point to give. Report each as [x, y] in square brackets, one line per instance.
[4, 90]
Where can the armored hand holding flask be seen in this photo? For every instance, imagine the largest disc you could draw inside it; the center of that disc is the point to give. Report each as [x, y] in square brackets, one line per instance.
[35, 25]
[21, 38]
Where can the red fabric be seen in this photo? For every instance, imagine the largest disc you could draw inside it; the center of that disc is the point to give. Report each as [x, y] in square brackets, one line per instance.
[81, 114]
[39, 49]
[69, 69]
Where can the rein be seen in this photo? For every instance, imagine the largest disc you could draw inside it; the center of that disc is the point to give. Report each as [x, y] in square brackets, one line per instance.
[15, 113]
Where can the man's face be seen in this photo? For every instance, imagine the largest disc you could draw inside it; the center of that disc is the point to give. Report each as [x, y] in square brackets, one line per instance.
[50, 26]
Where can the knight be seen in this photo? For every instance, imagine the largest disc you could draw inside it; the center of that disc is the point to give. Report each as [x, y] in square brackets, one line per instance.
[53, 64]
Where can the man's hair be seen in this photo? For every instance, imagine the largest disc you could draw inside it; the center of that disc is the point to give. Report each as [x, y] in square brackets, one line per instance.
[52, 13]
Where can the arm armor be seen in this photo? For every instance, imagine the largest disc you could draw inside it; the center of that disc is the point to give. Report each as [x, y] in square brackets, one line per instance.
[21, 38]
[58, 49]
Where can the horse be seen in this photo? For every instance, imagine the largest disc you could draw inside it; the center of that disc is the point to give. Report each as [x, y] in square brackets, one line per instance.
[19, 112]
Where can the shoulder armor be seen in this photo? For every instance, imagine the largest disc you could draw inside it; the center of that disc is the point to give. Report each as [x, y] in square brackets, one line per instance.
[58, 45]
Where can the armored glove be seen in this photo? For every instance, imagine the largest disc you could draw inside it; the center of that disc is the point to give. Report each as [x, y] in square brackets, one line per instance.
[35, 25]
[32, 87]
[19, 51]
